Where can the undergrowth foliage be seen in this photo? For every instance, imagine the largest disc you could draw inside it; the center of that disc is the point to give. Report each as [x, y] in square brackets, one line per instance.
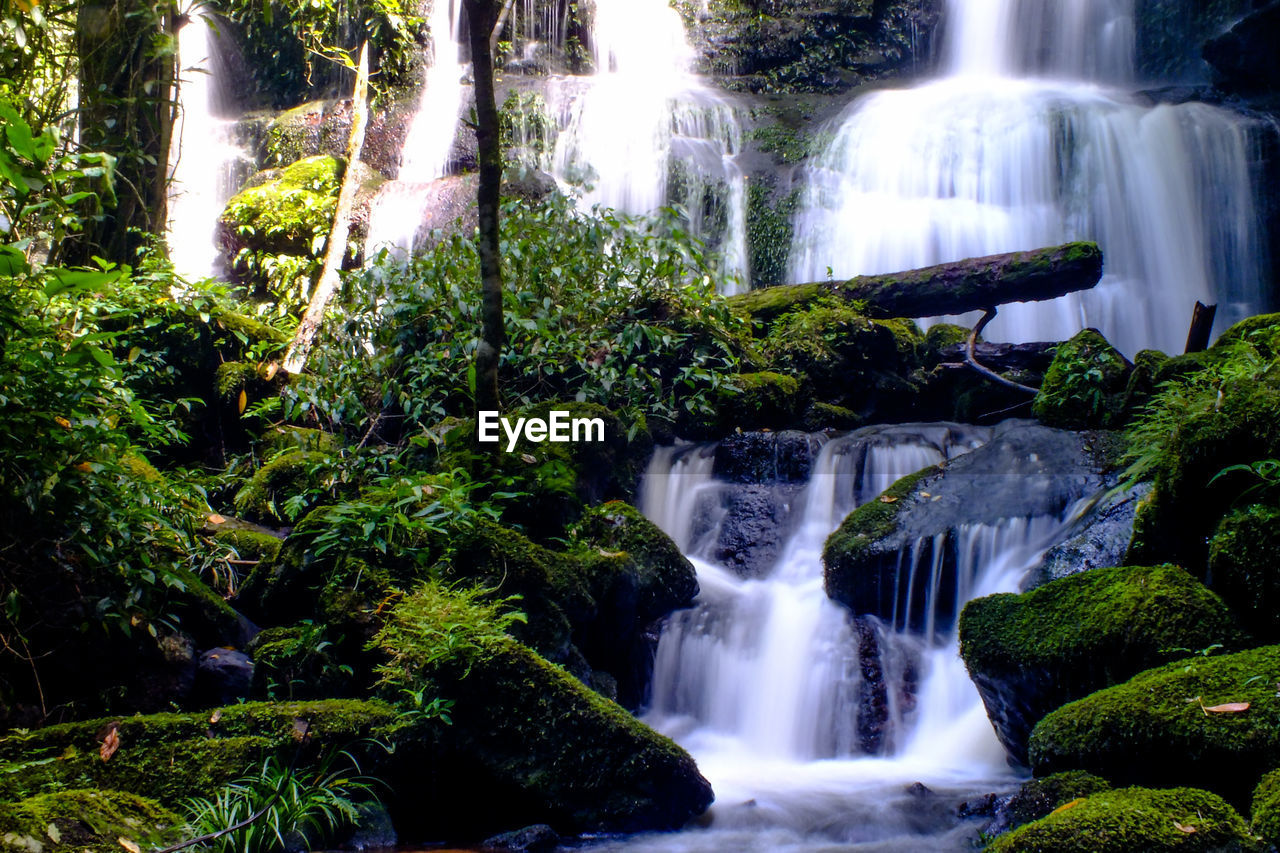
[599, 308]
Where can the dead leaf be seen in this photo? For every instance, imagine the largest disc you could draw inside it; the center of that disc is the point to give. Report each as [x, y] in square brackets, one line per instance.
[272, 369]
[301, 728]
[1228, 708]
[887, 499]
[925, 495]
[215, 716]
[1071, 805]
[54, 834]
[63, 422]
[529, 458]
[110, 744]
[84, 468]
[242, 401]
[1182, 827]
[128, 845]
[214, 518]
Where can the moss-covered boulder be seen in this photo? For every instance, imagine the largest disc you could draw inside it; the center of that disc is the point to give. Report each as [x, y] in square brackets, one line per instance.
[283, 437]
[302, 475]
[1085, 385]
[299, 662]
[1038, 798]
[287, 213]
[527, 734]
[1135, 819]
[1028, 654]
[1183, 723]
[86, 821]
[761, 400]
[250, 542]
[170, 757]
[1244, 568]
[1265, 812]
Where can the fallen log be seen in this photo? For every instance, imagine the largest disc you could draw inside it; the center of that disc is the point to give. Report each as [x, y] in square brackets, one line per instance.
[976, 284]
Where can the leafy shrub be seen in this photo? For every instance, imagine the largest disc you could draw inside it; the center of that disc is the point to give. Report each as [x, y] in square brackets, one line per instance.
[598, 308]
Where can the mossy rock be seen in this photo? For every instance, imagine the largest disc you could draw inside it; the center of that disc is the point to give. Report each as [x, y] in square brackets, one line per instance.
[1261, 331]
[1039, 797]
[170, 757]
[1243, 426]
[283, 438]
[849, 360]
[861, 529]
[763, 400]
[558, 752]
[299, 473]
[86, 821]
[824, 416]
[1265, 813]
[1031, 653]
[286, 215]
[1244, 568]
[250, 541]
[298, 662]
[1154, 728]
[1135, 819]
[1085, 385]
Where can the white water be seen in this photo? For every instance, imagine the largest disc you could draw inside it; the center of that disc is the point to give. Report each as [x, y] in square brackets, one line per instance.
[204, 160]
[400, 206]
[1031, 139]
[641, 114]
[763, 679]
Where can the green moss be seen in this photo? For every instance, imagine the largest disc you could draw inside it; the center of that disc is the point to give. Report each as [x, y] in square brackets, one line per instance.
[288, 214]
[298, 662]
[1134, 819]
[1038, 797]
[1265, 814]
[86, 820]
[1085, 384]
[278, 439]
[869, 523]
[298, 473]
[823, 416]
[665, 578]
[769, 233]
[1244, 567]
[252, 330]
[249, 541]
[942, 335]
[173, 756]
[1261, 331]
[232, 377]
[764, 304]
[1033, 652]
[762, 400]
[1153, 729]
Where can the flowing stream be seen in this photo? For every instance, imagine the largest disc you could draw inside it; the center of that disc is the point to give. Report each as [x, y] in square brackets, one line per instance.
[206, 166]
[1033, 136]
[813, 727]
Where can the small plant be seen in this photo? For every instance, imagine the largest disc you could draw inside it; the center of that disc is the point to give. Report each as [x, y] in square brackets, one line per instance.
[293, 808]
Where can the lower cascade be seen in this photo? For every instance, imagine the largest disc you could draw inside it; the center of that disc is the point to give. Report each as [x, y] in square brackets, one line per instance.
[816, 727]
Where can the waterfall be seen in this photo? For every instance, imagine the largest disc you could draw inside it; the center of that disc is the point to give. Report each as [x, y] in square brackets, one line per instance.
[204, 161]
[811, 724]
[398, 210]
[641, 132]
[1031, 139]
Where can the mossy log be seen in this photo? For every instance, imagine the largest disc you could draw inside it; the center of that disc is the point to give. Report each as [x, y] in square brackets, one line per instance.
[953, 288]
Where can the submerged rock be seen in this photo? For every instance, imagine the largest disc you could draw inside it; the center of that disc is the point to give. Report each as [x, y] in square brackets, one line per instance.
[1132, 819]
[1158, 729]
[1031, 653]
[1024, 472]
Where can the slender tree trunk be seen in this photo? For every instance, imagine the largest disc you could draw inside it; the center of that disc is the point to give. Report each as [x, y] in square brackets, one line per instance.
[482, 17]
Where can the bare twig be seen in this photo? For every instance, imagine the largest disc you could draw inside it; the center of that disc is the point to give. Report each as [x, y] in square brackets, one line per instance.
[988, 315]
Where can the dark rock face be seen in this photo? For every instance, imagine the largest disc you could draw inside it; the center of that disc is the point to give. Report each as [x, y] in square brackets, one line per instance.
[1244, 58]
[1025, 471]
[223, 676]
[767, 457]
[1101, 538]
[538, 838]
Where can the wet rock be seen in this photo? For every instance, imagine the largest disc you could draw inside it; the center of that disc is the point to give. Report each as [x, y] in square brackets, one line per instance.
[766, 457]
[1084, 387]
[1244, 58]
[223, 676]
[1024, 471]
[1101, 538]
[752, 527]
[538, 838]
[1039, 797]
[373, 830]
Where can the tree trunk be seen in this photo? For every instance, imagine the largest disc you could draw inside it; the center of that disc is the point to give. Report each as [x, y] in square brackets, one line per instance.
[126, 105]
[482, 16]
[955, 288]
[336, 247]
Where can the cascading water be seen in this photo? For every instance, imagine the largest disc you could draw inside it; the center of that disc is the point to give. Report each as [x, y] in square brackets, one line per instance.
[205, 162]
[642, 132]
[1029, 140]
[398, 210]
[813, 726]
